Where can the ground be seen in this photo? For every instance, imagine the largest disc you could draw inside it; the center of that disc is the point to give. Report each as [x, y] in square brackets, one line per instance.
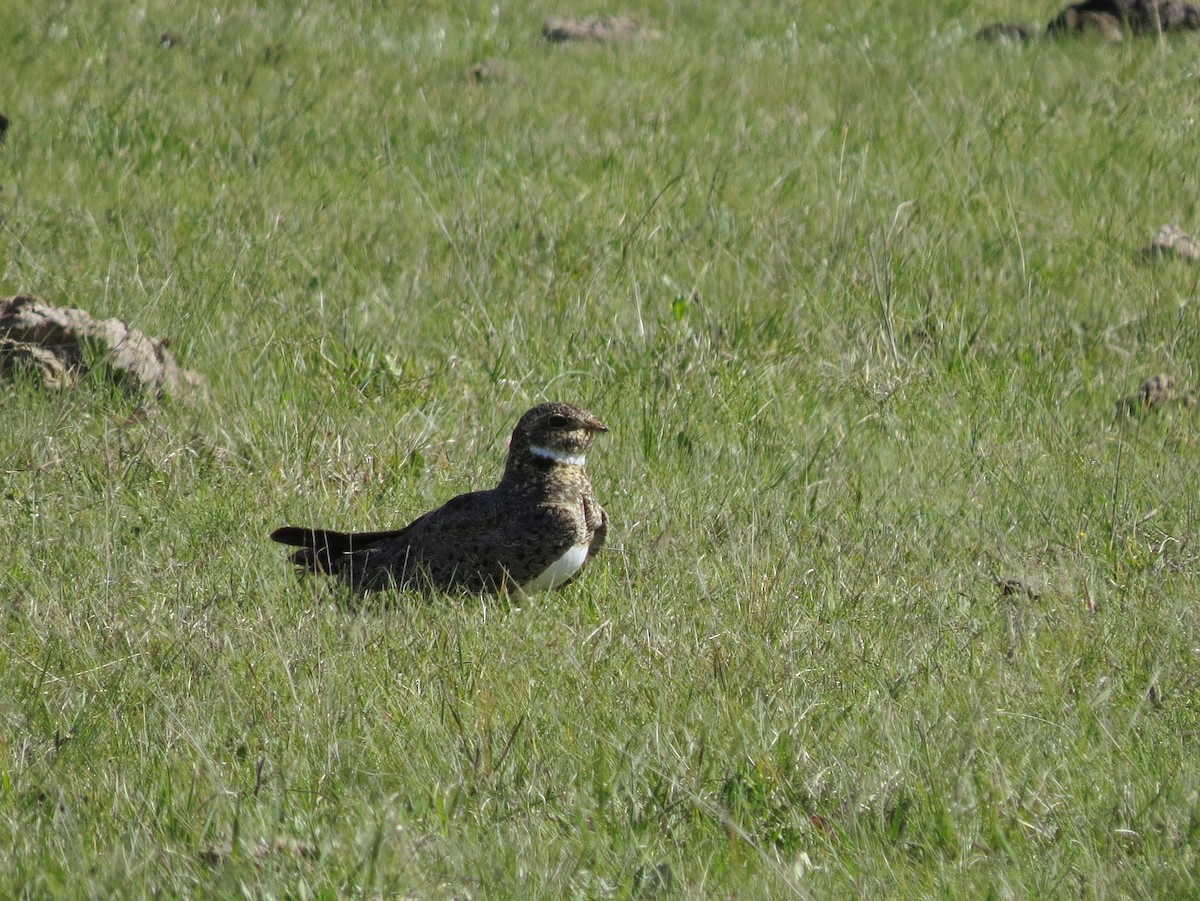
[899, 596]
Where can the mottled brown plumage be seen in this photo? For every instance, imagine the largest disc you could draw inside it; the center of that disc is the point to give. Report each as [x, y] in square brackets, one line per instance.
[534, 530]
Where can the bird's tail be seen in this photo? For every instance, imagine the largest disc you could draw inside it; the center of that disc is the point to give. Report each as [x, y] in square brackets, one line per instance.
[323, 551]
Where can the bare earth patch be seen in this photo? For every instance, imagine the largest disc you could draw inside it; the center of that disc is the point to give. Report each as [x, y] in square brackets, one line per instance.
[60, 344]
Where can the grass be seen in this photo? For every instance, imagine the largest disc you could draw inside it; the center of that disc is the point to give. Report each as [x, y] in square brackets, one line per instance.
[857, 298]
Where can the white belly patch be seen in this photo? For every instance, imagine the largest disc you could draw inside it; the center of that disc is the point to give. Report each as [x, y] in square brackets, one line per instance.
[559, 571]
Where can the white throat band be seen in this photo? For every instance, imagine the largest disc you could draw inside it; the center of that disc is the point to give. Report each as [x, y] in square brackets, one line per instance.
[557, 456]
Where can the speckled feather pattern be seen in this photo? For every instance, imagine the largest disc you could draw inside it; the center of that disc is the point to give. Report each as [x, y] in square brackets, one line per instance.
[506, 536]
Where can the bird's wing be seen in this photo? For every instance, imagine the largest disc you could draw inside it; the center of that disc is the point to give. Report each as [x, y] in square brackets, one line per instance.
[597, 523]
[475, 541]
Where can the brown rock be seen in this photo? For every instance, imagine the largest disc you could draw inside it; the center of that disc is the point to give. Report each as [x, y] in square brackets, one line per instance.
[59, 344]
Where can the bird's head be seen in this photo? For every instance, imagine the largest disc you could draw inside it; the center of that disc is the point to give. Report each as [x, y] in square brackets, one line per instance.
[554, 433]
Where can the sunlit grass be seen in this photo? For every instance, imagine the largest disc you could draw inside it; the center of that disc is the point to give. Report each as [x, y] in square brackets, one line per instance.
[857, 297]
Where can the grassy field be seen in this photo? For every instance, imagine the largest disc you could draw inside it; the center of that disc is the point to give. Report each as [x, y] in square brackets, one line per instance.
[857, 297]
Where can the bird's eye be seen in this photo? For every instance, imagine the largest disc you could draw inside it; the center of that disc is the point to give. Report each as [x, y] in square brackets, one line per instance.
[558, 421]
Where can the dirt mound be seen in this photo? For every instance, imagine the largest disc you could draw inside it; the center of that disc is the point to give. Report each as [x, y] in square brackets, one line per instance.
[1139, 16]
[60, 344]
[1092, 24]
[1156, 392]
[1173, 241]
[1007, 31]
[492, 70]
[600, 29]
[1109, 20]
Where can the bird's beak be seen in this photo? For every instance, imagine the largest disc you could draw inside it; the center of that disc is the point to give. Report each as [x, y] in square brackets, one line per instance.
[595, 425]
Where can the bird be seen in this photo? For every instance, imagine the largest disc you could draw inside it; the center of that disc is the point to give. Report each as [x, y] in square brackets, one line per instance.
[533, 532]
